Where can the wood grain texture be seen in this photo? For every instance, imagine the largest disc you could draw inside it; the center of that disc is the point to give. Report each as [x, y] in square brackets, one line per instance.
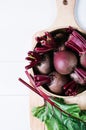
[65, 17]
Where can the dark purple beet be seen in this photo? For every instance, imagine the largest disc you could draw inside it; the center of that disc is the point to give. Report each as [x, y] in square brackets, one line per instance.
[64, 62]
[44, 66]
[57, 83]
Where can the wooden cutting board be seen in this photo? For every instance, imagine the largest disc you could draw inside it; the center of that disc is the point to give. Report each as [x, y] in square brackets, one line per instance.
[65, 18]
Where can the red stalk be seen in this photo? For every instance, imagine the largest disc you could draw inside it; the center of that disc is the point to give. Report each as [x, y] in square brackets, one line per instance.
[30, 78]
[41, 79]
[69, 29]
[70, 88]
[81, 72]
[68, 85]
[32, 64]
[81, 75]
[39, 39]
[43, 49]
[46, 42]
[34, 59]
[76, 42]
[29, 86]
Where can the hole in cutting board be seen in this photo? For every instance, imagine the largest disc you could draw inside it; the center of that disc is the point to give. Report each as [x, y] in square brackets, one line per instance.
[65, 2]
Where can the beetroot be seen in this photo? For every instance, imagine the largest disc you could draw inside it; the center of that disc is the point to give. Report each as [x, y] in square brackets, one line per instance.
[54, 81]
[44, 66]
[58, 81]
[64, 62]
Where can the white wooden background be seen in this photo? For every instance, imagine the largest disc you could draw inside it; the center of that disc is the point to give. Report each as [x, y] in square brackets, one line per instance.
[19, 20]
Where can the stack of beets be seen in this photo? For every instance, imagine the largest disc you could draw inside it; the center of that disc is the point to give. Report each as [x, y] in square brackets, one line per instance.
[59, 61]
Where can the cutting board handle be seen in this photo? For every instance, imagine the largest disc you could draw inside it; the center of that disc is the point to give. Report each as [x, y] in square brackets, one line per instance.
[65, 14]
[65, 9]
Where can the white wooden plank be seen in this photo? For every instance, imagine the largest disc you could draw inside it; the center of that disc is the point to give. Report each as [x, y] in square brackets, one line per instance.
[14, 113]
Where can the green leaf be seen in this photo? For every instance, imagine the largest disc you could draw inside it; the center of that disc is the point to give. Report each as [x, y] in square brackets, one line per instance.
[54, 124]
[43, 112]
[70, 108]
[68, 117]
[83, 115]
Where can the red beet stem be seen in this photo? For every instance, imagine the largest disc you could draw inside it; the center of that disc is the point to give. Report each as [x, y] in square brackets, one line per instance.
[68, 85]
[33, 58]
[46, 97]
[41, 79]
[30, 78]
[81, 74]
[76, 34]
[29, 86]
[32, 64]
[69, 29]
[76, 42]
[43, 49]
[70, 88]
[46, 44]
[39, 39]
